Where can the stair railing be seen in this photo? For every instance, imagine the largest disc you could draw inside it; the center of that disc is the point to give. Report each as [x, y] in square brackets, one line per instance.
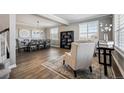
[4, 45]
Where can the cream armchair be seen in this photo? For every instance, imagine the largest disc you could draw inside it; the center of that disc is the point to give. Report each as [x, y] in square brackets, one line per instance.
[80, 56]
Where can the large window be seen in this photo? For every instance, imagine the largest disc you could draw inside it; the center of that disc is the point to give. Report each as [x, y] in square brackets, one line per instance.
[38, 34]
[88, 30]
[54, 33]
[119, 31]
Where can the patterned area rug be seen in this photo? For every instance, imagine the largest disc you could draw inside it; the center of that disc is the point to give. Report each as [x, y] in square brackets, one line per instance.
[56, 65]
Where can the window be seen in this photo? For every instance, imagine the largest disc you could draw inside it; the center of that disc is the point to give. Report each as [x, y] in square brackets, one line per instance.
[119, 31]
[88, 30]
[38, 34]
[54, 33]
[35, 34]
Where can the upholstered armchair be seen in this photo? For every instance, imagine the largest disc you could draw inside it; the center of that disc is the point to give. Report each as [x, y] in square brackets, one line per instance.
[32, 45]
[80, 56]
[40, 44]
[22, 44]
[47, 43]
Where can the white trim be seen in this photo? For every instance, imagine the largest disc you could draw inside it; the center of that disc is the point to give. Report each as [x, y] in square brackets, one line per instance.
[12, 38]
[119, 51]
[12, 66]
[120, 68]
[55, 46]
[113, 72]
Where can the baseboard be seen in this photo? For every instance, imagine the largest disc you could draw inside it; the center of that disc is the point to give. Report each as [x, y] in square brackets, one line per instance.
[12, 66]
[113, 73]
[55, 46]
[120, 68]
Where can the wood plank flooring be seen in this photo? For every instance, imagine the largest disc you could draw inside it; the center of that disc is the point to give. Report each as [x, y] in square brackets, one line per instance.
[29, 64]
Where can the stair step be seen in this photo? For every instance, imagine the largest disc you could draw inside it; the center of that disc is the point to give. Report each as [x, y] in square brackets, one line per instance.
[4, 73]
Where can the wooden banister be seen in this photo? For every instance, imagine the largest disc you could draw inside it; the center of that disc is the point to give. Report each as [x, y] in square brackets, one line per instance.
[5, 30]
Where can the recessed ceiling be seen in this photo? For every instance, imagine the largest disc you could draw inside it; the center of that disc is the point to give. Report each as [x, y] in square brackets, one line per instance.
[34, 21]
[71, 18]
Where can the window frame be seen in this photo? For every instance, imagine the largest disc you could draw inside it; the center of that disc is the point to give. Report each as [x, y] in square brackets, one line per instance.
[87, 23]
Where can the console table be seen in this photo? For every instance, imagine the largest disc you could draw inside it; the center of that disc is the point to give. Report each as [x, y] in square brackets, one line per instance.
[106, 52]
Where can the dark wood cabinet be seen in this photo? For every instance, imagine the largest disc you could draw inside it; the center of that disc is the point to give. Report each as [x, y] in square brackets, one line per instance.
[66, 38]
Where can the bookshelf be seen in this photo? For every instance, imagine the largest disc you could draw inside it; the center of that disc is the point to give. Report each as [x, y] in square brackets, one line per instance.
[66, 38]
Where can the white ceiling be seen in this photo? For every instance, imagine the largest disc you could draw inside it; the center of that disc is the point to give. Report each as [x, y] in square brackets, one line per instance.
[31, 20]
[72, 18]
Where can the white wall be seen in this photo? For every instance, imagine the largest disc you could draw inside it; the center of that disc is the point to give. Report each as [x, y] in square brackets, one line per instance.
[4, 21]
[105, 20]
[47, 33]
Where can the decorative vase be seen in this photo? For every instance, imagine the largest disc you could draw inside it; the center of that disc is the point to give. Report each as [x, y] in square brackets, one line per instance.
[106, 36]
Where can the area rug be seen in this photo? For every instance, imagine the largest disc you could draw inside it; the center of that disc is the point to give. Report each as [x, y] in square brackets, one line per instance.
[56, 65]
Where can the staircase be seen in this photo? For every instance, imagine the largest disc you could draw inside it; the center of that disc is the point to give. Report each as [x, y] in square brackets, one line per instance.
[4, 53]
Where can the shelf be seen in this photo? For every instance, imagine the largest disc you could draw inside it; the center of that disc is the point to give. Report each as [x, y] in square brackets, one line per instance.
[66, 37]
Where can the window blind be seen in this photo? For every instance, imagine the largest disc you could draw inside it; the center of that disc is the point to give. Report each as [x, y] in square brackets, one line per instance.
[119, 31]
[88, 30]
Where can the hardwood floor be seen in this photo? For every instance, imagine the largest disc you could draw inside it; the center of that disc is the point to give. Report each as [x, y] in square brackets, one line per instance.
[29, 64]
